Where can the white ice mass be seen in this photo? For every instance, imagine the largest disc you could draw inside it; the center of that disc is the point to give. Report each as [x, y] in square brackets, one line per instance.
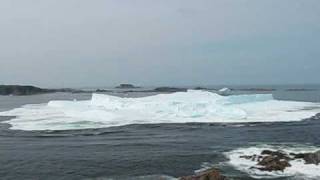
[182, 107]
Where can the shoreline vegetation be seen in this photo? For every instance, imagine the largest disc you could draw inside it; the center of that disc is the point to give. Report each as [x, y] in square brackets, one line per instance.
[24, 90]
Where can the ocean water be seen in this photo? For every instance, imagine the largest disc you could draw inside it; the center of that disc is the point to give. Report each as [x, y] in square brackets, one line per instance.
[148, 136]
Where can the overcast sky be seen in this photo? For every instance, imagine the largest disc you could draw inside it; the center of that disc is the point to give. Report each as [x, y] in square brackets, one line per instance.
[74, 43]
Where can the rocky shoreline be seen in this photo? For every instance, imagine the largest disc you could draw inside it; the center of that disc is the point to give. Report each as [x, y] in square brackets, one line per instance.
[267, 160]
[279, 160]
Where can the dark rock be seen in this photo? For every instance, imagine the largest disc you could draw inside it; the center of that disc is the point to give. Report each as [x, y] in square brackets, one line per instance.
[309, 158]
[279, 154]
[312, 158]
[170, 89]
[272, 163]
[211, 174]
[266, 152]
[297, 156]
[270, 160]
[316, 117]
[126, 86]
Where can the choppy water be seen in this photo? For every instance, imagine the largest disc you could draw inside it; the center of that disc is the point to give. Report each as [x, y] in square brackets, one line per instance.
[144, 151]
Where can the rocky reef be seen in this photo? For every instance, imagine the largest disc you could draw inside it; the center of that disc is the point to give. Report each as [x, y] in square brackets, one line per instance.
[279, 160]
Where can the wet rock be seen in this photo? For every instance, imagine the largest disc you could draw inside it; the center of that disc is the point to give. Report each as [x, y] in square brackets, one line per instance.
[279, 154]
[268, 152]
[309, 158]
[273, 163]
[270, 160]
[211, 174]
[312, 158]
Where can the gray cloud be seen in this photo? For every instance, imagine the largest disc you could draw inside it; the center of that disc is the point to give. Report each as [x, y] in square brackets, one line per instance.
[172, 42]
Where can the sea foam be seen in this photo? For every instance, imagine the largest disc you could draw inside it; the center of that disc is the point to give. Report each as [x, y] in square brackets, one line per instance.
[181, 107]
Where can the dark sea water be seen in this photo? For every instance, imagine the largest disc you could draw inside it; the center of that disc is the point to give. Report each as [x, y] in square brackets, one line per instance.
[140, 151]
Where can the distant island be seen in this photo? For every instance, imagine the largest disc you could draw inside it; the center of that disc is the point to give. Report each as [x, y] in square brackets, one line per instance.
[22, 90]
[127, 86]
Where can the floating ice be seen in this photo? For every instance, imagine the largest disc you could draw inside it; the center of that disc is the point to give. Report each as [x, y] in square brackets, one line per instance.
[182, 107]
[298, 168]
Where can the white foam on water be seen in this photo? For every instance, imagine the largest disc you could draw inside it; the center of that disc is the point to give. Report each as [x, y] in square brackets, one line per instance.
[181, 107]
[298, 169]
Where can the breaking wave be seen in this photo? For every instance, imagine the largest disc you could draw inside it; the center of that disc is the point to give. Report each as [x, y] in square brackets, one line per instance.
[182, 107]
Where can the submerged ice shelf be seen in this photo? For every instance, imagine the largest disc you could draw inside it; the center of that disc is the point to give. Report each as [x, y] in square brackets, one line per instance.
[181, 107]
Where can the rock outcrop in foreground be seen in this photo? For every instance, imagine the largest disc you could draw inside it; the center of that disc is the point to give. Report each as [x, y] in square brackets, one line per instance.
[278, 160]
[211, 174]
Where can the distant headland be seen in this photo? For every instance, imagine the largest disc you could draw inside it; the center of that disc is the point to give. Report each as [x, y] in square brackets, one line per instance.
[24, 90]
[21, 90]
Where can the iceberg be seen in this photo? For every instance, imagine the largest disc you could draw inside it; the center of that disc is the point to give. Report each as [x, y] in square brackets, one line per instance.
[182, 107]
